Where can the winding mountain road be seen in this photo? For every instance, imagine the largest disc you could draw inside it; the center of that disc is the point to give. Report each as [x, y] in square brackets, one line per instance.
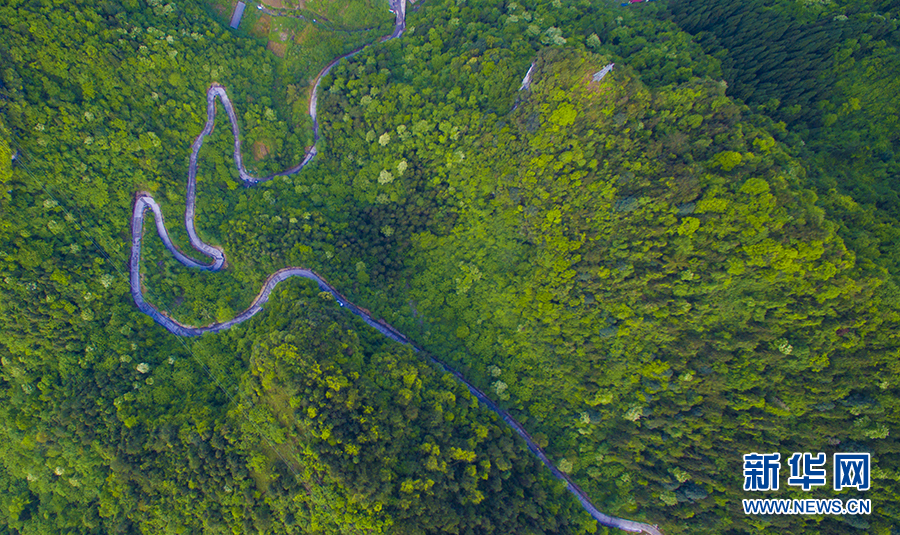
[144, 202]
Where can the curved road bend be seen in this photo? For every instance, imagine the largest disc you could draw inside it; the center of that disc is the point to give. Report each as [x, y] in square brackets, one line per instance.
[144, 202]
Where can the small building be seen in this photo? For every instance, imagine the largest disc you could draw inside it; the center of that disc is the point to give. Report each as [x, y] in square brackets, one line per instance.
[238, 13]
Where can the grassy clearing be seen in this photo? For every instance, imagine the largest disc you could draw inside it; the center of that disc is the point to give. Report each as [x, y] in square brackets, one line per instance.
[354, 14]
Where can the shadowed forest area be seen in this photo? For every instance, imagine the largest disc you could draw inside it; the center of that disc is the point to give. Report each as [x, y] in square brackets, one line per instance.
[656, 273]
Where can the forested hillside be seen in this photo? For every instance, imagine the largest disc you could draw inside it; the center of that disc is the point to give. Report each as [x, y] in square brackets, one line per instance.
[641, 273]
[830, 71]
[653, 277]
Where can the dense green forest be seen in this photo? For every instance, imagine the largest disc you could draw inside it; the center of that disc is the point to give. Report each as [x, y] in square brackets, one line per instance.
[656, 273]
[830, 71]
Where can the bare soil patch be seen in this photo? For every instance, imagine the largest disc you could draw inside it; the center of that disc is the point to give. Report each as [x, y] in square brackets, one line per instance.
[304, 36]
[262, 26]
[260, 150]
[279, 49]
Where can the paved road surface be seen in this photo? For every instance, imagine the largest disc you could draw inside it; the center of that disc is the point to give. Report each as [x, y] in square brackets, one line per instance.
[144, 202]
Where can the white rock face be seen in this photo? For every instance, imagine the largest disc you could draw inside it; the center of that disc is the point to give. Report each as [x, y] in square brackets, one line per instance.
[603, 72]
